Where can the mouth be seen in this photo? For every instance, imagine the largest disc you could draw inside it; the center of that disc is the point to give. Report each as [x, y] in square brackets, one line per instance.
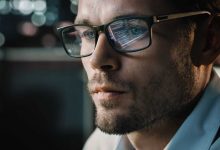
[107, 93]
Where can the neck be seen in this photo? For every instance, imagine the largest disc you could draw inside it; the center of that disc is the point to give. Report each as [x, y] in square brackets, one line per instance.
[160, 133]
[155, 138]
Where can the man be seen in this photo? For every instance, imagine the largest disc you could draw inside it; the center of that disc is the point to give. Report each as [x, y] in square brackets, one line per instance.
[149, 67]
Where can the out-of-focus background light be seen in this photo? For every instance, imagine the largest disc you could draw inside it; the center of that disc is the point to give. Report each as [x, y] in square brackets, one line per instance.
[38, 19]
[25, 7]
[5, 7]
[30, 21]
[74, 2]
[27, 29]
[2, 39]
[2, 4]
[42, 99]
[51, 17]
[73, 6]
[40, 6]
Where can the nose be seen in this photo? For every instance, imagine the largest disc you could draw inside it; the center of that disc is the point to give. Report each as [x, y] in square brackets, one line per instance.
[104, 56]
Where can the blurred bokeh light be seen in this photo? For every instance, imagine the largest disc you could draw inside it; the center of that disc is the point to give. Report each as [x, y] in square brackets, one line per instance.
[25, 23]
[2, 39]
[43, 104]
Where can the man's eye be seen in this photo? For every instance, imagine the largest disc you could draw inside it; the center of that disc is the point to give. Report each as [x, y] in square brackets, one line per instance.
[89, 35]
[137, 30]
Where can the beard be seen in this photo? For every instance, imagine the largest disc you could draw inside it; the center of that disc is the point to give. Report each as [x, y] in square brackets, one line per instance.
[167, 95]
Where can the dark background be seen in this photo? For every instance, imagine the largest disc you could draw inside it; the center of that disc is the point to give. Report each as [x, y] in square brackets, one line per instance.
[43, 104]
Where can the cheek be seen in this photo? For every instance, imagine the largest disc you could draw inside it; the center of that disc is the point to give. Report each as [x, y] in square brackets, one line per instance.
[149, 71]
[154, 82]
[141, 71]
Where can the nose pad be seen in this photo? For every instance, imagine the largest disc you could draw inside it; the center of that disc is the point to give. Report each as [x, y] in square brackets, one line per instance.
[104, 56]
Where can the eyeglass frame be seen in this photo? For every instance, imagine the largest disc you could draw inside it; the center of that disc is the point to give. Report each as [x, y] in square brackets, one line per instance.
[150, 20]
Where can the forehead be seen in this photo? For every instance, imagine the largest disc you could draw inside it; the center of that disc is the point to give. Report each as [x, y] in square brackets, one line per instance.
[102, 11]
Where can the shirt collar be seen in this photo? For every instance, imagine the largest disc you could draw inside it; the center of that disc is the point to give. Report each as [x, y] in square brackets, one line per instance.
[200, 127]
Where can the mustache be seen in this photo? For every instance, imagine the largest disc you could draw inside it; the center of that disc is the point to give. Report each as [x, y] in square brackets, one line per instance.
[108, 80]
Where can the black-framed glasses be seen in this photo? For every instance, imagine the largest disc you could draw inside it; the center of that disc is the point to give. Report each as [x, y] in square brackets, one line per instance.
[127, 34]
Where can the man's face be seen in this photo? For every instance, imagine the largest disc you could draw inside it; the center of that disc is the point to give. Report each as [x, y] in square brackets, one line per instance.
[137, 90]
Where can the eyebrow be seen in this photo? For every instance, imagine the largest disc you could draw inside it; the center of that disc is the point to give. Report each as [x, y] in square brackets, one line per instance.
[127, 15]
[82, 21]
[87, 22]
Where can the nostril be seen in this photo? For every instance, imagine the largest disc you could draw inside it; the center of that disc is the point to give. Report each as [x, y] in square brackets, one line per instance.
[107, 67]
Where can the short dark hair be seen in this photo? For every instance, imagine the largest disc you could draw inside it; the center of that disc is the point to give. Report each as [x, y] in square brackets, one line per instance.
[210, 5]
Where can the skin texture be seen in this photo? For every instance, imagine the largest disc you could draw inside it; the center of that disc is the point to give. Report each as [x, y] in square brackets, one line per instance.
[146, 94]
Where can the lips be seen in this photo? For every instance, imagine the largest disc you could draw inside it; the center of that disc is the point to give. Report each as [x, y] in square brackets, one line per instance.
[107, 89]
[106, 92]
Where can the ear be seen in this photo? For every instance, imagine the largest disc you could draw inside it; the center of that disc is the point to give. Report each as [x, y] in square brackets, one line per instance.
[210, 46]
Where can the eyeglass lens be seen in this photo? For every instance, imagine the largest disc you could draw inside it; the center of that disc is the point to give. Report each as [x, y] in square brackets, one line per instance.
[129, 35]
[125, 35]
[79, 40]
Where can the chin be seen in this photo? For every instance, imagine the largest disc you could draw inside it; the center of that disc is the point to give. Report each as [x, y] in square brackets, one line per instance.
[118, 121]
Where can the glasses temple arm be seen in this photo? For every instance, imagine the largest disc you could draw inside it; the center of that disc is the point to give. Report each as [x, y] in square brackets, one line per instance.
[162, 18]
